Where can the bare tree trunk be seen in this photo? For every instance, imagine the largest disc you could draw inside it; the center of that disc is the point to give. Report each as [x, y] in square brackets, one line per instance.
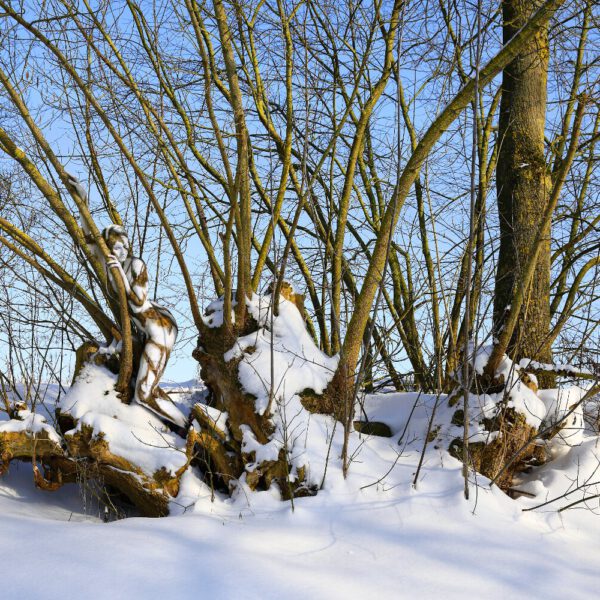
[243, 217]
[523, 187]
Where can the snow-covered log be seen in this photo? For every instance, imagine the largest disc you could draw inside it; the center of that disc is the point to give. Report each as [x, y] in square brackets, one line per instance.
[124, 446]
[130, 447]
[27, 436]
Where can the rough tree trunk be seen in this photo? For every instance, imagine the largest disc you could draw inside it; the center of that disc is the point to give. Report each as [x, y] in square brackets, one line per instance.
[523, 186]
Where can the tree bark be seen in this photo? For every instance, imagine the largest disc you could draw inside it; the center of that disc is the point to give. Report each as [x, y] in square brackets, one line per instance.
[523, 188]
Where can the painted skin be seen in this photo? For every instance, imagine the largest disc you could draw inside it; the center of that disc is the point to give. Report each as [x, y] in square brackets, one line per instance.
[156, 322]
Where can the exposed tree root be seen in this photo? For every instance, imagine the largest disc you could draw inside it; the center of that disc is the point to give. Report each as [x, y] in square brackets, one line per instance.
[223, 450]
[512, 436]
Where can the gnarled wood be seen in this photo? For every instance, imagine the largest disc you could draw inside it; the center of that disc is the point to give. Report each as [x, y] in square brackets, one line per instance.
[513, 436]
[24, 445]
[149, 492]
[225, 448]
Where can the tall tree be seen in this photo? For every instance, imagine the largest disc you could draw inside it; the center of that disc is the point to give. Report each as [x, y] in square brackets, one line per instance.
[523, 187]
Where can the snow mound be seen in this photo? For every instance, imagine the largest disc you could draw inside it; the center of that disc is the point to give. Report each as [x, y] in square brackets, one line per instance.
[131, 431]
[564, 409]
[571, 480]
[369, 534]
[277, 363]
[283, 346]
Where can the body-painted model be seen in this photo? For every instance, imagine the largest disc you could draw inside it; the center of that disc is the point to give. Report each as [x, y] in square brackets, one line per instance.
[155, 323]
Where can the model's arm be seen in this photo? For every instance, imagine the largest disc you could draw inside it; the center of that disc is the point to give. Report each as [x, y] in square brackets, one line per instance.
[89, 238]
[136, 285]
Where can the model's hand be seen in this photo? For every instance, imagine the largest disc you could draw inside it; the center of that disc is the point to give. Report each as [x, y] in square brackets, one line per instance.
[77, 187]
[113, 262]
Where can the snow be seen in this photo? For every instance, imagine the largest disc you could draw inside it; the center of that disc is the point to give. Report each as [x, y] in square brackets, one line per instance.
[132, 442]
[370, 535]
[31, 423]
[481, 358]
[527, 363]
[94, 391]
[564, 405]
[262, 452]
[373, 534]
[213, 314]
[526, 402]
[130, 429]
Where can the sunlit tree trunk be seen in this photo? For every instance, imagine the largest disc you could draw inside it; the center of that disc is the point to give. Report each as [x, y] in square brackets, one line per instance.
[523, 187]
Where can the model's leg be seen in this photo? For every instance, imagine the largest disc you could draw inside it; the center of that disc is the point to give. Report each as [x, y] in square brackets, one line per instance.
[152, 366]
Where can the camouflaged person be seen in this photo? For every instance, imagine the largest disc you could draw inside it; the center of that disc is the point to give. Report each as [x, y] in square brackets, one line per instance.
[155, 323]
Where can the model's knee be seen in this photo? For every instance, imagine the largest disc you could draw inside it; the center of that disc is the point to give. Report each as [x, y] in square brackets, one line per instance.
[154, 353]
[144, 385]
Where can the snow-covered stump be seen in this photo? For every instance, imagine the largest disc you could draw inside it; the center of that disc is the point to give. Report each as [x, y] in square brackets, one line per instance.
[510, 448]
[124, 446]
[254, 426]
[506, 416]
[224, 455]
[503, 432]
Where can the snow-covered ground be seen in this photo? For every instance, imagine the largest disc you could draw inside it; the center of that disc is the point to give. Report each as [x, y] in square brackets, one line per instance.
[372, 535]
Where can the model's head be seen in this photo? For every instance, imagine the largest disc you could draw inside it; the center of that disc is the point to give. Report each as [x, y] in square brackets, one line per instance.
[117, 241]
